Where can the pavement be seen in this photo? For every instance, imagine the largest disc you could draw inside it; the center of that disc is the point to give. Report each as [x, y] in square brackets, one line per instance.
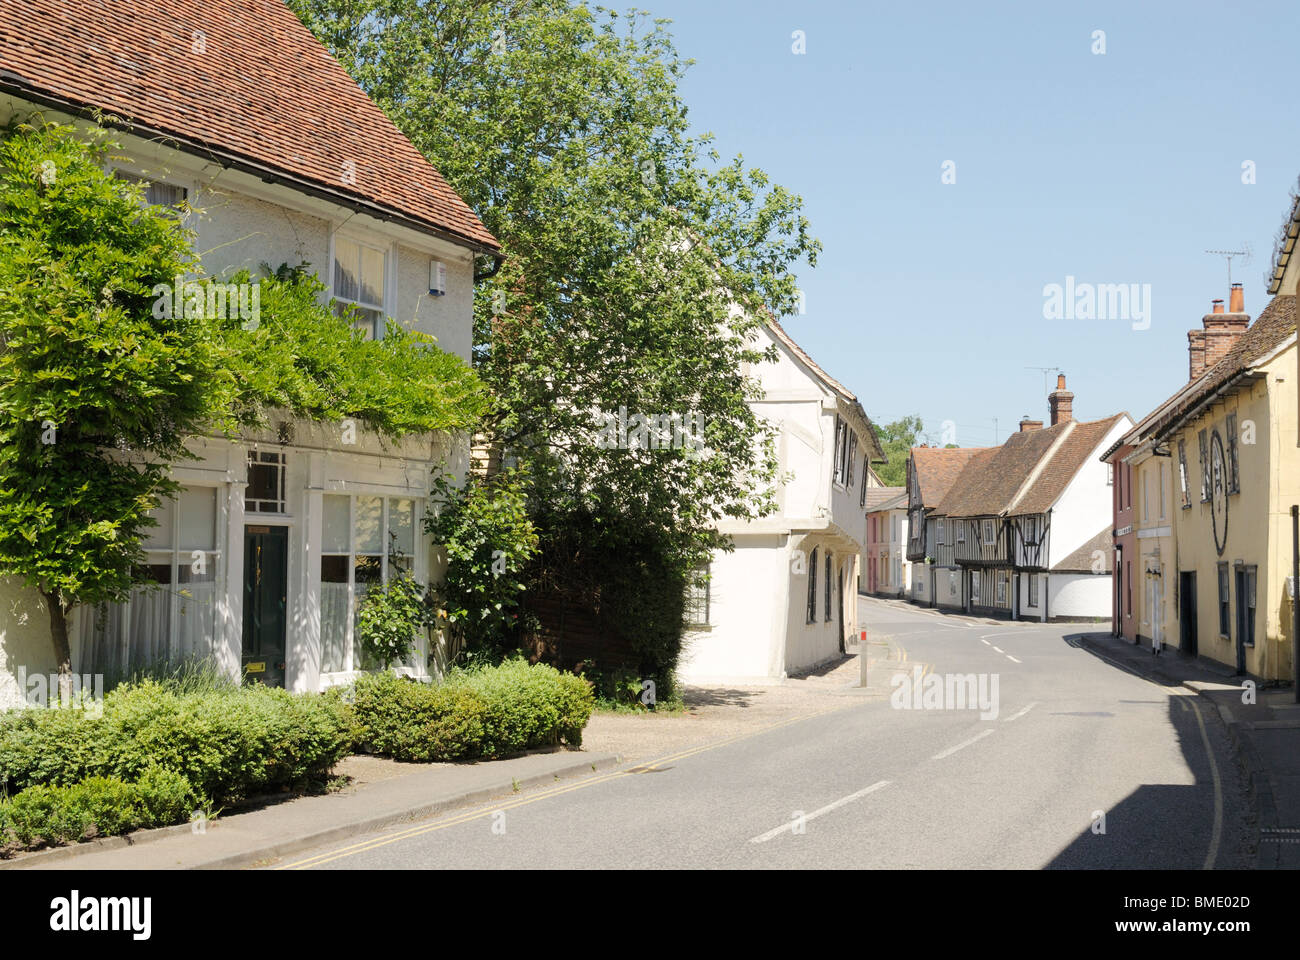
[1264, 732]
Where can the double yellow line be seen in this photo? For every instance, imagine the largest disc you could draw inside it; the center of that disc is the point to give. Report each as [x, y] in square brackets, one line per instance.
[457, 819]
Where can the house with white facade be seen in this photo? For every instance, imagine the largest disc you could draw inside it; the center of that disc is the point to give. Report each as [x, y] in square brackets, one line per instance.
[785, 599]
[1030, 520]
[292, 164]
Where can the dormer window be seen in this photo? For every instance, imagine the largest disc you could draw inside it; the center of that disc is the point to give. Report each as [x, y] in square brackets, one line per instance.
[360, 272]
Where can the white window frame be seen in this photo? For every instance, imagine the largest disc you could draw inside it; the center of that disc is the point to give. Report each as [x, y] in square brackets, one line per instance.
[989, 533]
[378, 245]
[174, 553]
[351, 650]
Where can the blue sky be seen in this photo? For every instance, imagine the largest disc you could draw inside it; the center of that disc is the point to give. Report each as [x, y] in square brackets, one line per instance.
[1122, 167]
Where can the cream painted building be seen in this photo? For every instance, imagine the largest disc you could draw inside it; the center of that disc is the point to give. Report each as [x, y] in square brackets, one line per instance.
[785, 599]
[260, 562]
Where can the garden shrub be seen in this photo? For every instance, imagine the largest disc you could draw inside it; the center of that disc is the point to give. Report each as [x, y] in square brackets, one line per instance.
[484, 713]
[228, 744]
[97, 806]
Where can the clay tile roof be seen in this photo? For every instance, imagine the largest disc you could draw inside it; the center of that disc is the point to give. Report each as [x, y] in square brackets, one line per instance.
[936, 469]
[1065, 462]
[879, 498]
[1273, 327]
[1080, 561]
[241, 81]
[989, 483]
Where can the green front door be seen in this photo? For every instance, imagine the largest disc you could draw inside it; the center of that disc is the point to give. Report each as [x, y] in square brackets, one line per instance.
[266, 578]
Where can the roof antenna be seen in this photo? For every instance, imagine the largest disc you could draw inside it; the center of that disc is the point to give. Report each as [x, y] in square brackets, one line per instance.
[1229, 254]
[1047, 373]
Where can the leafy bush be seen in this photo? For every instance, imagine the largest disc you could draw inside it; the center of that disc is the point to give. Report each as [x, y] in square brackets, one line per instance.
[97, 806]
[389, 618]
[483, 713]
[227, 744]
[489, 539]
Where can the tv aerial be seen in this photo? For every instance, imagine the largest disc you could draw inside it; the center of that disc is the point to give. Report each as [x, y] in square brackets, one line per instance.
[1047, 373]
[1246, 255]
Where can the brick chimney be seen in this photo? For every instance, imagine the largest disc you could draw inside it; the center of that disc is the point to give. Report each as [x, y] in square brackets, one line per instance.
[1219, 332]
[1026, 424]
[1061, 402]
[1195, 353]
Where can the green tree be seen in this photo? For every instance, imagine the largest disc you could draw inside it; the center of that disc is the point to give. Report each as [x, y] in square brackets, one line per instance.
[97, 395]
[629, 243]
[897, 439]
[484, 527]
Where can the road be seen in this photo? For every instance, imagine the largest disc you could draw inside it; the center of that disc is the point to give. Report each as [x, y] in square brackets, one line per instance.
[1084, 766]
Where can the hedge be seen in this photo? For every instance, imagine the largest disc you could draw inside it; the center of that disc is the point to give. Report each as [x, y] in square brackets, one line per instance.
[227, 743]
[478, 714]
[98, 806]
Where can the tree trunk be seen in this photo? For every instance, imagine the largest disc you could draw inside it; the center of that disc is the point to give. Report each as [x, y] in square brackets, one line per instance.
[62, 649]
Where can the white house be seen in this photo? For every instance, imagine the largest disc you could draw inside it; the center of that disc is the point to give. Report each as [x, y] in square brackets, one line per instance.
[785, 599]
[1031, 519]
[277, 535]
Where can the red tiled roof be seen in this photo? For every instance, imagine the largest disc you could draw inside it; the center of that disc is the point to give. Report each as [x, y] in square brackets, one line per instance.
[993, 485]
[877, 497]
[937, 468]
[1269, 331]
[1057, 473]
[262, 93]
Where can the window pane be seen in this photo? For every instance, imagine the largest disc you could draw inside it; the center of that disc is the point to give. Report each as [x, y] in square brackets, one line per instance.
[196, 611]
[346, 259]
[265, 493]
[369, 524]
[198, 529]
[401, 524]
[372, 277]
[149, 624]
[160, 537]
[335, 525]
[368, 572]
[333, 610]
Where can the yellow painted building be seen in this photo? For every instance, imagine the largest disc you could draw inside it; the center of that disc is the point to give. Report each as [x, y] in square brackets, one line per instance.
[1217, 468]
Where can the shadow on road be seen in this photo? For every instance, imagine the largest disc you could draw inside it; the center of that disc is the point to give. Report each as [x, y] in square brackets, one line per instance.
[1165, 826]
[718, 697]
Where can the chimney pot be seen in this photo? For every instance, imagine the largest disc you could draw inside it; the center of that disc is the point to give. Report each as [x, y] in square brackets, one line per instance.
[1216, 306]
[1060, 381]
[1236, 299]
